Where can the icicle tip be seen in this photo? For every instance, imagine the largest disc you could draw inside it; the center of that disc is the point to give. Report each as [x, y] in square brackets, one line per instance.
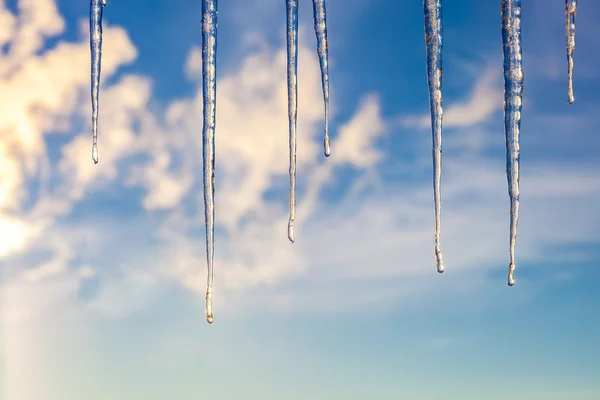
[291, 231]
[439, 261]
[95, 153]
[511, 275]
[209, 311]
[327, 147]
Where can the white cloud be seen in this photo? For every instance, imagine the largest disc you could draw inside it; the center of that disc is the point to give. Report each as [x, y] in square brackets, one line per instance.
[38, 93]
[486, 98]
[355, 139]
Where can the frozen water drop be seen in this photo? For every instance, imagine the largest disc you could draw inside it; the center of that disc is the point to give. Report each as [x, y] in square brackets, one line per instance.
[327, 147]
[439, 260]
[513, 100]
[209, 100]
[511, 275]
[209, 307]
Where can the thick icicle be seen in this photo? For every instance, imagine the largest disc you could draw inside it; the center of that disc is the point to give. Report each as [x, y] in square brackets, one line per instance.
[513, 95]
[292, 73]
[571, 13]
[320, 17]
[433, 41]
[209, 93]
[96, 7]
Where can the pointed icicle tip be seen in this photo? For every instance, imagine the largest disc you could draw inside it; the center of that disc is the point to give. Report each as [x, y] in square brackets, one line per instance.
[95, 153]
[291, 231]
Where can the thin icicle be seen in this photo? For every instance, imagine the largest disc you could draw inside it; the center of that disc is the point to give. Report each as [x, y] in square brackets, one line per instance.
[433, 40]
[320, 16]
[96, 7]
[292, 73]
[209, 93]
[571, 13]
[513, 96]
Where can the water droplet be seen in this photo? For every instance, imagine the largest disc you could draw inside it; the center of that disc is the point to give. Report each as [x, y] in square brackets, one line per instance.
[511, 274]
[439, 260]
[209, 306]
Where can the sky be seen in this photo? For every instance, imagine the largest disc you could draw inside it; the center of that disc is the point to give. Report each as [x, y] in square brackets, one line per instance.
[103, 267]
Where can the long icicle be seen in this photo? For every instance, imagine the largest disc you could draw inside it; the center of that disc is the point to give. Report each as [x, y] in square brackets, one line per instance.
[571, 13]
[209, 98]
[96, 7]
[320, 17]
[513, 96]
[292, 74]
[433, 41]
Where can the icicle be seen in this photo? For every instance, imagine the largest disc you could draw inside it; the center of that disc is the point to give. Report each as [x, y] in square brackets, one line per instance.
[292, 73]
[513, 95]
[571, 13]
[96, 7]
[209, 93]
[322, 49]
[433, 40]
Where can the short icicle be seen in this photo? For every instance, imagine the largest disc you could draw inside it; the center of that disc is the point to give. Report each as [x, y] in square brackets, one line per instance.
[96, 8]
[209, 94]
[292, 73]
[433, 41]
[513, 96]
[320, 17]
[571, 12]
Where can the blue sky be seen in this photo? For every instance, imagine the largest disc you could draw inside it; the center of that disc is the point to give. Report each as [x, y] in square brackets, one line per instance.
[102, 267]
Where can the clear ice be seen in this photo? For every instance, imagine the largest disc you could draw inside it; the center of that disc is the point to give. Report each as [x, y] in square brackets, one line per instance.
[320, 17]
[571, 13]
[209, 93]
[433, 41]
[96, 7]
[292, 75]
[513, 95]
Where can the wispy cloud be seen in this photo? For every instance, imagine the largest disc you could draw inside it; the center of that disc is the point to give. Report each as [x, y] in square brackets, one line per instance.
[485, 99]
